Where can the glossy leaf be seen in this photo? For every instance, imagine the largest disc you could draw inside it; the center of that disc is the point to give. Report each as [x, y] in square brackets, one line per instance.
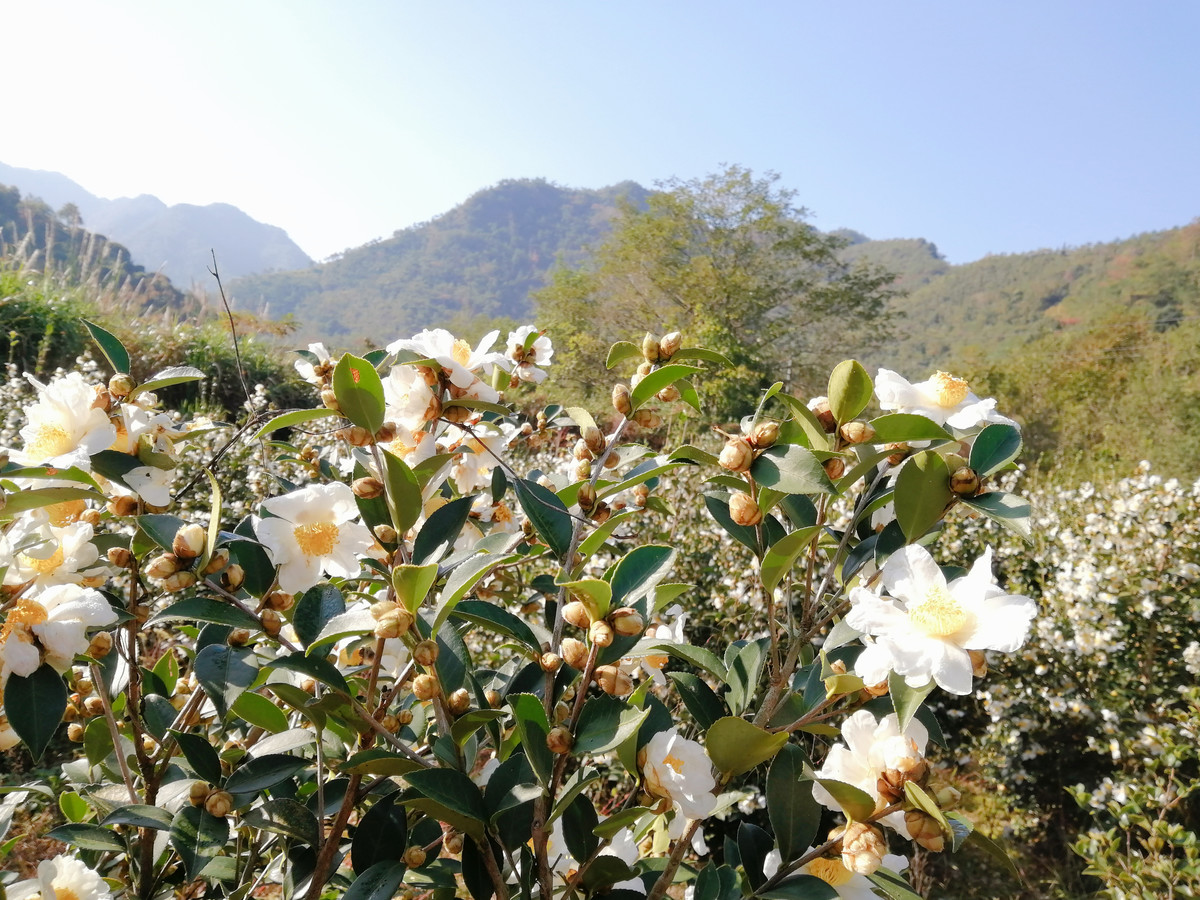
[782, 555]
[263, 772]
[166, 378]
[451, 789]
[197, 837]
[795, 815]
[25, 500]
[922, 493]
[316, 666]
[736, 746]
[638, 571]
[791, 469]
[403, 492]
[704, 705]
[314, 610]
[621, 351]
[906, 700]
[207, 609]
[359, 392]
[293, 418]
[224, 673]
[200, 756]
[662, 377]
[850, 390]
[286, 817]
[994, 448]
[547, 513]
[88, 837]
[110, 345]
[139, 815]
[895, 428]
[35, 705]
[605, 723]
[855, 802]
[1008, 509]
[382, 834]
[441, 530]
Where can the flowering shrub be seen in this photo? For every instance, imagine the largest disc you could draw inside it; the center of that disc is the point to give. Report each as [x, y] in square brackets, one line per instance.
[414, 666]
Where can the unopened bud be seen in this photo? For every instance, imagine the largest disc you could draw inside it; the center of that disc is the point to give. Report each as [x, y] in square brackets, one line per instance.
[737, 455]
[329, 400]
[100, 645]
[75, 732]
[272, 622]
[743, 510]
[648, 419]
[601, 513]
[426, 687]
[219, 804]
[820, 408]
[562, 710]
[120, 557]
[189, 541]
[764, 435]
[180, 581]
[393, 624]
[459, 701]
[559, 740]
[198, 793]
[669, 345]
[493, 697]
[425, 653]
[877, 690]
[890, 783]
[593, 437]
[863, 847]
[857, 433]
[586, 498]
[582, 471]
[390, 723]
[925, 830]
[121, 384]
[835, 467]
[622, 399]
[280, 601]
[414, 857]
[965, 481]
[239, 637]
[91, 517]
[979, 663]
[650, 348]
[233, 577]
[581, 451]
[356, 436]
[367, 488]
[574, 653]
[613, 681]
[600, 633]
[218, 561]
[642, 371]
[945, 796]
[669, 394]
[627, 621]
[899, 450]
[452, 843]
[386, 433]
[550, 662]
[404, 717]
[577, 614]
[122, 507]
[163, 566]
[93, 706]
[386, 534]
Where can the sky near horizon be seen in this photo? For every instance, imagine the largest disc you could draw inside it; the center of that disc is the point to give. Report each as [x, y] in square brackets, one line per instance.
[985, 128]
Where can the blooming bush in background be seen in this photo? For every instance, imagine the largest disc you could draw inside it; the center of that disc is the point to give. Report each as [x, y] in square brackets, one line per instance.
[415, 639]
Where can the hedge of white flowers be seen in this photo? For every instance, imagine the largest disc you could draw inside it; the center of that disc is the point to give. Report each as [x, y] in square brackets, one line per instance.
[411, 664]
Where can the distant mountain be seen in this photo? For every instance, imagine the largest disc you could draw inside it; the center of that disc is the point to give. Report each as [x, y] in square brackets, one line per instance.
[482, 258]
[176, 239]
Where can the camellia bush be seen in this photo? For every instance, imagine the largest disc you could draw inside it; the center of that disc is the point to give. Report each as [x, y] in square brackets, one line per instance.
[415, 666]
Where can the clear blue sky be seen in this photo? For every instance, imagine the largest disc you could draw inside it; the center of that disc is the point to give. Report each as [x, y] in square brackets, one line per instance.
[985, 128]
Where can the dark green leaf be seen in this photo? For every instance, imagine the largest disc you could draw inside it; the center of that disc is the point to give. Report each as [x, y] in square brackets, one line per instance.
[114, 465]
[224, 673]
[753, 844]
[25, 500]
[197, 837]
[1009, 510]
[316, 666]
[468, 724]
[158, 714]
[161, 528]
[745, 670]
[88, 837]
[465, 576]
[795, 815]
[621, 351]
[139, 815]
[791, 469]
[782, 555]
[359, 392]
[638, 571]
[207, 609]
[263, 772]
[994, 448]
[380, 882]
[451, 789]
[801, 887]
[200, 756]
[498, 620]
[905, 699]
[704, 705]
[547, 513]
[893, 885]
[110, 345]
[314, 609]
[922, 493]
[606, 722]
[697, 656]
[854, 802]
[378, 761]
[533, 727]
[258, 710]
[440, 531]
[35, 705]
[382, 835]
[284, 816]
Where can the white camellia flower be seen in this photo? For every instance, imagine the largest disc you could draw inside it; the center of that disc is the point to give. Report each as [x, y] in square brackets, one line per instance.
[847, 884]
[871, 748]
[482, 450]
[679, 770]
[53, 554]
[454, 355]
[312, 530]
[408, 399]
[943, 398]
[923, 627]
[51, 625]
[306, 368]
[528, 360]
[151, 483]
[667, 632]
[64, 428]
[62, 878]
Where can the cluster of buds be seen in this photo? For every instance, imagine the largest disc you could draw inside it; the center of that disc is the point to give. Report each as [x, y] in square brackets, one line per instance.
[625, 621]
[179, 569]
[591, 445]
[392, 619]
[655, 352]
[598, 510]
[738, 456]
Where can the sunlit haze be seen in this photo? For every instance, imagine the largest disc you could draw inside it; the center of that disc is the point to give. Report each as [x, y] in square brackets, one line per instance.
[985, 128]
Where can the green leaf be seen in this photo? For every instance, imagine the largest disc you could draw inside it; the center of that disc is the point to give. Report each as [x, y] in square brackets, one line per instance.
[293, 418]
[745, 669]
[856, 803]
[412, 583]
[380, 882]
[850, 390]
[660, 378]
[595, 593]
[778, 560]
[791, 469]
[605, 723]
[263, 772]
[581, 417]
[25, 500]
[200, 756]
[316, 666]
[499, 621]
[704, 705]
[451, 789]
[359, 392]
[895, 428]
[994, 850]
[224, 673]
[906, 700]
[139, 815]
[160, 528]
[197, 837]
[207, 609]
[378, 761]
[284, 816]
[922, 494]
[594, 541]
[315, 608]
[994, 448]
[113, 465]
[382, 834]
[403, 492]
[917, 797]
[1008, 509]
[462, 580]
[35, 705]
[893, 885]
[794, 814]
[698, 657]
[547, 513]
[110, 345]
[700, 353]
[468, 724]
[533, 728]
[73, 807]
[811, 429]
[638, 571]
[736, 746]
[166, 378]
[88, 837]
[621, 351]
[801, 887]
[441, 530]
[214, 522]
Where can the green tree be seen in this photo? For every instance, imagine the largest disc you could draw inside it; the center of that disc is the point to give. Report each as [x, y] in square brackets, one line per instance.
[730, 261]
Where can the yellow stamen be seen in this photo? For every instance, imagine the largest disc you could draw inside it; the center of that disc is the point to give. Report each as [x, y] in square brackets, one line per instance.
[938, 614]
[24, 615]
[461, 352]
[51, 441]
[316, 540]
[830, 871]
[47, 566]
[64, 893]
[675, 763]
[948, 390]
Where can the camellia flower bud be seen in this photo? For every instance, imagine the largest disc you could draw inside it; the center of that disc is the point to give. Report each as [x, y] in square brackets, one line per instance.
[425, 653]
[120, 557]
[218, 561]
[426, 687]
[272, 623]
[669, 394]
[550, 662]
[650, 348]
[574, 653]
[198, 793]
[386, 533]
[493, 697]
[219, 804]
[743, 510]
[121, 507]
[593, 437]
[979, 664]
[965, 481]
[647, 418]
[577, 614]
[586, 498]
[560, 740]
[857, 433]
[820, 409]
[452, 843]
[764, 435]
[404, 717]
[627, 621]
[600, 633]
[835, 467]
[233, 577]
[239, 637]
[641, 494]
[601, 513]
[863, 847]
[356, 436]
[393, 624]
[386, 433]
[890, 784]
[93, 706]
[280, 601]
[367, 488]
[562, 709]
[459, 701]
[180, 581]
[100, 645]
[670, 344]
[925, 830]
[390, 723]
[121, 384]
[329, 399]
[189, 541]
[899, 450]
[582, 471]
[75, 732]
[414, 857]
[613, 681]
[581, 451]
[163, 566]
[622, 399]
[737, 455]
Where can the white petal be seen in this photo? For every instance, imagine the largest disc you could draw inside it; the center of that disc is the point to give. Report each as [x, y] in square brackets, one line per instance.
[910, 573]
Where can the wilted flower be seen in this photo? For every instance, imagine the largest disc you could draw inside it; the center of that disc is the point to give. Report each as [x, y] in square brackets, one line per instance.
[924, 627]
[312, 530]
[943, 398]
[679, 770]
